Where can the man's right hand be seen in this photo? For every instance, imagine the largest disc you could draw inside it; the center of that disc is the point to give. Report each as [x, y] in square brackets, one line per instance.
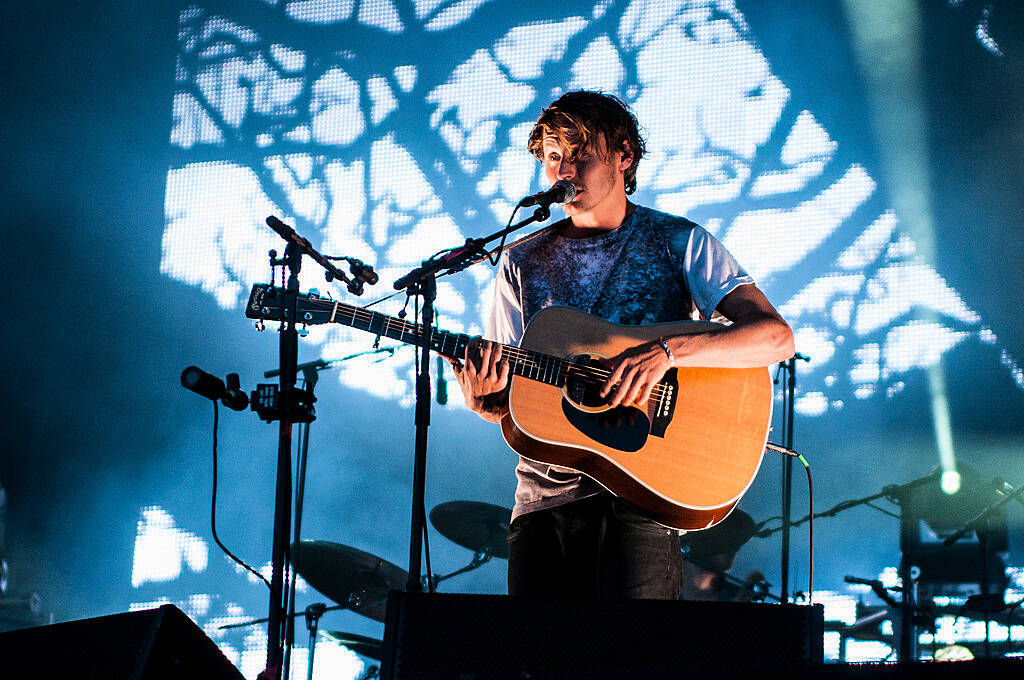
[483, 376]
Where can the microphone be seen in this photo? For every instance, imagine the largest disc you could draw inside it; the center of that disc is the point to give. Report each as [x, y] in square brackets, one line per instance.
[362, 271]
[880, 591]
[442, 384]
[560, 192]
[210, 386]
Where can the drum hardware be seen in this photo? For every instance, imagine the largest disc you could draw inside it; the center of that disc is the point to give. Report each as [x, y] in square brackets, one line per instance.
[480, 527]
[354, 579]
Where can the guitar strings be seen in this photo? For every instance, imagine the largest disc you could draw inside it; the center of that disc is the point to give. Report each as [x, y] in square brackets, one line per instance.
[591, 375]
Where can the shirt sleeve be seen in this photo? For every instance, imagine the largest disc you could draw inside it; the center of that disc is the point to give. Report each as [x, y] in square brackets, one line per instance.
[711, 271]
[505, 320]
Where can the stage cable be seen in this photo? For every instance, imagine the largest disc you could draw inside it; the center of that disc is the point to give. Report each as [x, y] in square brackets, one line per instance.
[810, 528]
[213, 504]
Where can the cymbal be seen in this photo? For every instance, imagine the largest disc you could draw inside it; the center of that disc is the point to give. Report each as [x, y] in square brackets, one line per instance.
[348, 576]
[361, 645]
[478, 526]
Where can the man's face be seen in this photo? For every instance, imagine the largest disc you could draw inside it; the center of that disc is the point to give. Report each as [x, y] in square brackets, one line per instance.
[596, 174]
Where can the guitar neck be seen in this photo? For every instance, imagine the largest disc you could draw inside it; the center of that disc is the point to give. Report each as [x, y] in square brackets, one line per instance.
[533, 365]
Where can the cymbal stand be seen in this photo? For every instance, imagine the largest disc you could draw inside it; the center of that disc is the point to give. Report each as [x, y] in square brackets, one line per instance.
[480, 558]
[253, 622]
[313, 614]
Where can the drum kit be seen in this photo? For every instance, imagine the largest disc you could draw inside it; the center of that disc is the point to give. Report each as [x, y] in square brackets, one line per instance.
[360, 582]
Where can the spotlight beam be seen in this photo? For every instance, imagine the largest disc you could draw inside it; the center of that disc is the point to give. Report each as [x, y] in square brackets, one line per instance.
[886, 36]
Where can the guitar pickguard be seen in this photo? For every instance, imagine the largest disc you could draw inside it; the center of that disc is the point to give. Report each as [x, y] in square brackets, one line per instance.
[623, 428]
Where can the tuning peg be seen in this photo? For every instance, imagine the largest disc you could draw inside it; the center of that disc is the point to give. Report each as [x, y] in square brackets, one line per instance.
[260, 326]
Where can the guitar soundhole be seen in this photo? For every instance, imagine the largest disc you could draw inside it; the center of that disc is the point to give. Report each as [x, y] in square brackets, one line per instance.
[583, 382]
[624, 428]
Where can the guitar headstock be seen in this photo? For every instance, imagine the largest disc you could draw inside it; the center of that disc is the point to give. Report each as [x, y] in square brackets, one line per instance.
[265, 303]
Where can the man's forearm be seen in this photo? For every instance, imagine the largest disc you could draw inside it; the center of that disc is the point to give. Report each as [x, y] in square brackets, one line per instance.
[756, 342]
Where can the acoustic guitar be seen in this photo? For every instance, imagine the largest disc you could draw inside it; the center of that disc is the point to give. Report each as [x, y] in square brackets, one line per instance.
[685, 457]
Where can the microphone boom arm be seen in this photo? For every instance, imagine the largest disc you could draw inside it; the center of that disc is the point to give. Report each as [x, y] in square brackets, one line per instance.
[332, 272]
[472, 252]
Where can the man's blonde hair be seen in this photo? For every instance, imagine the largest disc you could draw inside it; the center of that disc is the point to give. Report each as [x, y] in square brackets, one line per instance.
[579, 119]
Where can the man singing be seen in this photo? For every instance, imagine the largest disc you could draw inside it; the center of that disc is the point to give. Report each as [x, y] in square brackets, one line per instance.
[629, 265]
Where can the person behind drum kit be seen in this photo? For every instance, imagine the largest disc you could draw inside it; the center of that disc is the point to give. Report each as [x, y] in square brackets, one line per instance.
[626, 264]
[709, 555]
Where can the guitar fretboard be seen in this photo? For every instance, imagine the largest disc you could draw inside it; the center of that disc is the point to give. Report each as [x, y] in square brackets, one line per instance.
[265, 302]
[533, 365]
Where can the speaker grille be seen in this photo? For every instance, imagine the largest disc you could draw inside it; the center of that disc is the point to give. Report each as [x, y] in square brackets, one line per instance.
[493, 636]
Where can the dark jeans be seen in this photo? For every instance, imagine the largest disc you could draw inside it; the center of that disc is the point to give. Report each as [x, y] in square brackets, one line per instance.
[599, 546]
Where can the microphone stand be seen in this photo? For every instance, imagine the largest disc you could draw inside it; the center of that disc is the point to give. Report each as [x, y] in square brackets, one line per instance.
[789, 398]
[887, 492]
[289, 348]
[310, 376]
[422, 281]
[901, 495]
[292, 406]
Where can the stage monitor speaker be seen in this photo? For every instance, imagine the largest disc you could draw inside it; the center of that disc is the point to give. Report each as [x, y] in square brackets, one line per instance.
[155, 644]
[429, 636]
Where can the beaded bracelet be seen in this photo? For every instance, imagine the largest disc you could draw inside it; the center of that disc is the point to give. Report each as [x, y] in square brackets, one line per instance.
[664, 346]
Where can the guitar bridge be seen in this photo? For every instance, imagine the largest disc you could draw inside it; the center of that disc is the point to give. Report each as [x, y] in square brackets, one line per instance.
[664, 404]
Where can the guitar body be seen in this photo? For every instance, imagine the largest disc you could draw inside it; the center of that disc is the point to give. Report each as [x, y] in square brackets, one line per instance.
[686, 457]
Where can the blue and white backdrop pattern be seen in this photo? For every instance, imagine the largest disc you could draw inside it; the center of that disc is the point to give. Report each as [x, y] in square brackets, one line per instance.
[387, 130]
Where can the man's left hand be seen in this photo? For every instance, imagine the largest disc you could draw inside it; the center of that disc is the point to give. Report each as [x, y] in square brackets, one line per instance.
[637, 371]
